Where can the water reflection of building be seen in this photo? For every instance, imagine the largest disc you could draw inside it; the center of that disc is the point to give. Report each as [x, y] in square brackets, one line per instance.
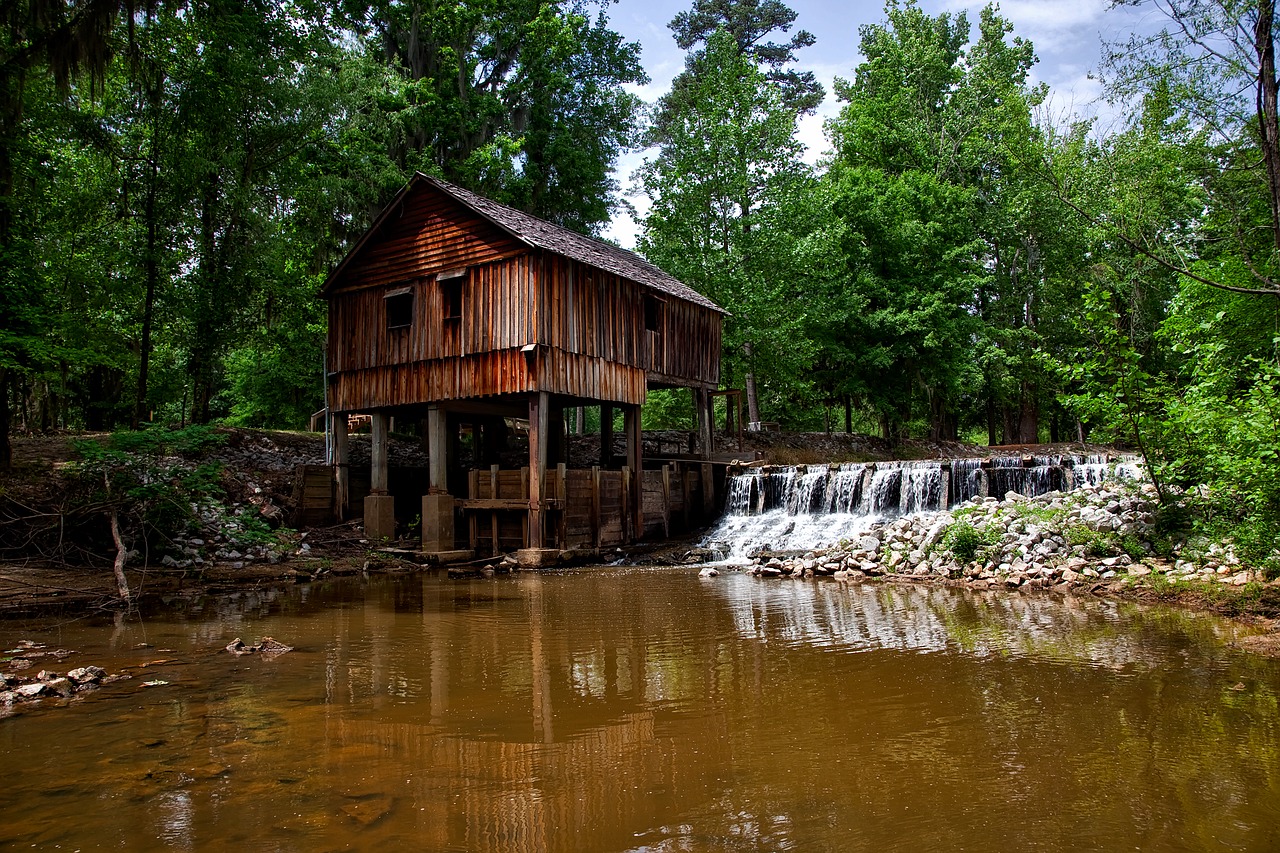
[515, 725]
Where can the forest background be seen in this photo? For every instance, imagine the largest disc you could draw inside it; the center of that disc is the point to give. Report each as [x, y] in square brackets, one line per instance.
[177, 178]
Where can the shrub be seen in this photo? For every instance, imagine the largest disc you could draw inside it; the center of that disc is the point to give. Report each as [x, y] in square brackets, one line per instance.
[965, 541]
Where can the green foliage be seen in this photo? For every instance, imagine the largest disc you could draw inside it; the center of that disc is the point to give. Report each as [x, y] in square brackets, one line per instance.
[173, 214]
[726, 185]
[947, 238]
[968, 542]
[157, 441]
[144, 479]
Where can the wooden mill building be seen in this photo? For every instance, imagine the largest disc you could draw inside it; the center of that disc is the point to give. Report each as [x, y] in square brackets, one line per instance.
[480, 322]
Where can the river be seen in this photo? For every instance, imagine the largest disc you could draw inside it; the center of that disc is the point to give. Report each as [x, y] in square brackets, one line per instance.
[647, 710]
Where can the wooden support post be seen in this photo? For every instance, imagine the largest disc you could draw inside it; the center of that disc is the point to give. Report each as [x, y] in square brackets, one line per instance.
[708, 491]
[686, 494]
[524, 496]
[562, 495]
[473, 519]
[341, 466]
[595, 505]
[666, 501]
[539, 411]
[379, 507]
[437, 452]
[378, 454]
[493, 516]
[703, 404]
[631, 425]
[606, 436]
[628, 534]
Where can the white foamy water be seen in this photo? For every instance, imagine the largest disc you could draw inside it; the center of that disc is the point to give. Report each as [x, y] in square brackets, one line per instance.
[819, 506]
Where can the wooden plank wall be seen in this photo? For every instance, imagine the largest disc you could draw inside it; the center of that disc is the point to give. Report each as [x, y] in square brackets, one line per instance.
[433, 232]
[312, 496]
[592, 312]
[591, 506]
[588, 325]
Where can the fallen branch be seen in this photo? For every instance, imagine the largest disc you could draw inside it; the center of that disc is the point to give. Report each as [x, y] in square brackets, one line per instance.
[121, 552]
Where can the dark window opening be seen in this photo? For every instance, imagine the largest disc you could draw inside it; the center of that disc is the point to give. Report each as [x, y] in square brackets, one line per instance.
[451, 297]
[399, 309]
[653, 311]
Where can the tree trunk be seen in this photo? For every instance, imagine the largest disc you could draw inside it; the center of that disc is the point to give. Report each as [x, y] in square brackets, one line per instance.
[1268, 120]
[122, 583]
[848, 415]
[753, 401]
[1029, 415]
[6, 449]
[152, 269]
[992, 438]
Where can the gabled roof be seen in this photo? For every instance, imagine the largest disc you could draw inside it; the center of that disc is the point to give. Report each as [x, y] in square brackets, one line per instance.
[540, 234]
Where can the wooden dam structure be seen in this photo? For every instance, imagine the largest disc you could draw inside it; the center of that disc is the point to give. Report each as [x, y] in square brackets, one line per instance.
[483, 324]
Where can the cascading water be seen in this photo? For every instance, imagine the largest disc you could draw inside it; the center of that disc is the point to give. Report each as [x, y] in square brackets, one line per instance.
[966, 480]
[844, 489]
[791, 509]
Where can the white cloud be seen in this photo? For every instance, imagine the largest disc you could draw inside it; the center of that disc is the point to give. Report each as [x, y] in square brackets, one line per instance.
[1033, 18]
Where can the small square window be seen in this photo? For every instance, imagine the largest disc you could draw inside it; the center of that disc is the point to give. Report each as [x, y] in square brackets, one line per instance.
[653, 311]
[399, 309]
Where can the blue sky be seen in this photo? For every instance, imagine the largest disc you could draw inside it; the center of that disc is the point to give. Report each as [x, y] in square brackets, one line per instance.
[1067, 35]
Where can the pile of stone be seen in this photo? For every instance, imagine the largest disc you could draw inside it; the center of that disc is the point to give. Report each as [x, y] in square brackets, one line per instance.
[1091, 536]
[219, 536]
[16, 686]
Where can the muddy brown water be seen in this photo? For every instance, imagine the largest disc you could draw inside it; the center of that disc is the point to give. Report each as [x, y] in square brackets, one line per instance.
[648, 710]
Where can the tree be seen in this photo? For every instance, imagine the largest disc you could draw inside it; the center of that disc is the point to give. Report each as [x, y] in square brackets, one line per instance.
[750, 22]
[523, 101]
[727, 172]
[39, 39]
[930, 175]
[1216, 60]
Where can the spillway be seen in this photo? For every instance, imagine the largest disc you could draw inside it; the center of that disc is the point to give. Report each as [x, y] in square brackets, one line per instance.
[794, 508]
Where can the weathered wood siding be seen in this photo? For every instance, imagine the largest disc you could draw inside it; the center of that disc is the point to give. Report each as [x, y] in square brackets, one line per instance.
[431, 233]
[587, 325]
[592, 312]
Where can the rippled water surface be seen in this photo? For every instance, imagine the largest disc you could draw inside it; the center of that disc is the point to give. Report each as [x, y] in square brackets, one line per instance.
[626, 710]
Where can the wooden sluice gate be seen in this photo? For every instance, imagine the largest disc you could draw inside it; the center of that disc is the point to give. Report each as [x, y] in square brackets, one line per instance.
[586, 508]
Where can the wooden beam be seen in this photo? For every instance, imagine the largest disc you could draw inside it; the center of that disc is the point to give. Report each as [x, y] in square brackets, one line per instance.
[378, 454]
[437, 451]
[631, 426]
[705, 415]
[539, 411]
[341, 469]
[508, 503]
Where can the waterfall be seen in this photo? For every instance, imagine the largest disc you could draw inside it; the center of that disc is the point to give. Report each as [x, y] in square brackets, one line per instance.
[922, 487]
[966, 480]
[844, 490]
[799, 508]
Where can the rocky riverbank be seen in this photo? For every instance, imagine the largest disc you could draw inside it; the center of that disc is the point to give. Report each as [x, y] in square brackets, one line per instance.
[1096, 539]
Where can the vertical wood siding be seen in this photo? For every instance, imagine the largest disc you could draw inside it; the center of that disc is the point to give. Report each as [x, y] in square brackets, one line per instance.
[588, 325]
